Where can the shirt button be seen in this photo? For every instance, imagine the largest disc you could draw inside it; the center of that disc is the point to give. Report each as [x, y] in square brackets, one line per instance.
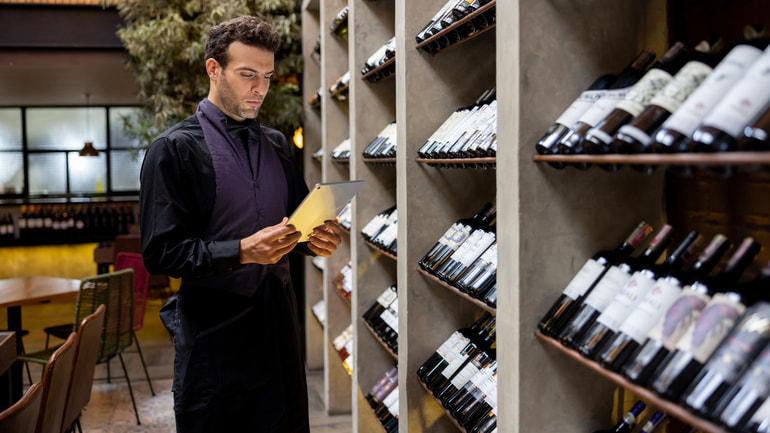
[261, 212]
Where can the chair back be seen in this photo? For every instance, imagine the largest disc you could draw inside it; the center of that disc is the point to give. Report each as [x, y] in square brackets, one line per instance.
[86, 351]
[116, 291]
[125, 260]
[22, 416]
[56, 382]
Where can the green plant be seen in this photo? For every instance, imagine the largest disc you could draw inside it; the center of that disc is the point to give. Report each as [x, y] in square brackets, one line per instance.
[165, 41]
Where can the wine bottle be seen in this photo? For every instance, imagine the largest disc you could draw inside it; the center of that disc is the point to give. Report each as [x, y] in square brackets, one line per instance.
[490, 296]
[479, 405]
[755, 136]
[634, 137]
[581, 284]
[656, 421]
[481, 274]
[742, 399]
[599, 138]
[572, 142]
[741, 106]
[461, 355]
[678, 128]
[376, 224]
[630, 419]
[609, 286]
[744, 343]
[663, 337]
[463, 394]
[642, 281]
[700, 340]
[458, 262]
[387, 297]
[549, 142]
[760, 420]
[422, 34]
[431, 368]
[481, 360]
[455, 236]
[382, 388]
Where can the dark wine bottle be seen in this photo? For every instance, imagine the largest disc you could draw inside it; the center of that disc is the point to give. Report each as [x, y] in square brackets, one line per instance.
[671, 326]
[599, 138]
[455, 236]
[642, 281]
[678, 128]
[741, 106]
[756, 137]
[744, 343]
[572, 142]
[481, 405]
[549, 142]
[630, 419]
[431, 368]
[609, 286]
[699, 341]
[461, 355]
[383, 301]
[467, 253]
[581, 284]
[656, 421]
[463, 394]
[481, 274]
[739, 403]
[452, 389]
[634, 137]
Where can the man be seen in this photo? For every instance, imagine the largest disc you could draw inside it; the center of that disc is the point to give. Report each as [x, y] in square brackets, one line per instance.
[216, 189]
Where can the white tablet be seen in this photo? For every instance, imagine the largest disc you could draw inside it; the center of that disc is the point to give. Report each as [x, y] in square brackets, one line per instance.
[324, 202]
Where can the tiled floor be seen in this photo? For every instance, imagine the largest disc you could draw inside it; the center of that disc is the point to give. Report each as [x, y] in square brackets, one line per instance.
[110, 409]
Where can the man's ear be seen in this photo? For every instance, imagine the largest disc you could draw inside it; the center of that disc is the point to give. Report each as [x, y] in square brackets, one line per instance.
[212, 68]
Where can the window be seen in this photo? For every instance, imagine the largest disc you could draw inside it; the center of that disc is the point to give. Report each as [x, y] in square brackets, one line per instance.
[39, 152]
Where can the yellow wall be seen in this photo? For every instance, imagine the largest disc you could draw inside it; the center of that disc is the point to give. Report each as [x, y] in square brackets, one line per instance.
[67, 261]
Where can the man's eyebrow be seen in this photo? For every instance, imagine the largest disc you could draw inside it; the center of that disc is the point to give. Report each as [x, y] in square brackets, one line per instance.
[255, 71]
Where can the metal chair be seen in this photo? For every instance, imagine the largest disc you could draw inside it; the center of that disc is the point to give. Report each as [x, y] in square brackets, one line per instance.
[116, 291]
[125, 260]
[81, 383]
[21, 417]
[56, 383]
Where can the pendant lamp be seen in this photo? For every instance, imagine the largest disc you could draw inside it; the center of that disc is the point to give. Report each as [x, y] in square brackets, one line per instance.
[88, 148]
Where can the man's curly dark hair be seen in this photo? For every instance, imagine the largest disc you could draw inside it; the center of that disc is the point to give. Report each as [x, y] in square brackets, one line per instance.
[248, 30]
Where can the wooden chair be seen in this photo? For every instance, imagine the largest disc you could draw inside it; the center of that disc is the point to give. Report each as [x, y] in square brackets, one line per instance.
[81, 383]
[56, 383]
[21, 417]
[116, 291]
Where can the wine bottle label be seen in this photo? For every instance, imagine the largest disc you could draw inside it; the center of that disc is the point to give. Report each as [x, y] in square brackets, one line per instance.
[745, 101]
[389, 234]
[456, 235]
[450, 348]
[387, 297]
[580, 283]
[391, 398]
[653, 306]
[465, 374]
[681, 86]
[373, 226]
[643, 91]
[716, 320]
[490, 255]
[731, 69]
[617, 310]
[603, 106]
[477, 248]
[606, 289]
[679, 317]
[457, 361]
[390, 319]
[750, 335]
[489, 390]
[22, 223]
[572, 114]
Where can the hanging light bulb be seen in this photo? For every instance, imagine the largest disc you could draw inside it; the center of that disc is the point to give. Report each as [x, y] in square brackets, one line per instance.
[88, 148]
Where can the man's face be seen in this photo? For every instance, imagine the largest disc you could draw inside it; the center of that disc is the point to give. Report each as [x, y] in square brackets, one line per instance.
[239, 89]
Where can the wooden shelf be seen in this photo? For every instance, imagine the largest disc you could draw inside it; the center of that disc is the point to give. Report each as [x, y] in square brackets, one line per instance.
[341, 160]
[490, 162]
[477, 302]
[340, 90]
[385, 253]
[369, 75]
[672, 409]
[693, 159]
[379, 340]
[464, 20]
[381, 161]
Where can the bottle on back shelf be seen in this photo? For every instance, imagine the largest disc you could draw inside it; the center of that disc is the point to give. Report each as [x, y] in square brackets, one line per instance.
[582, 283]
[599, 138]
[662, 338]
[609, 286]
[629, 421]
[700, 340]
[740, 107]
[573, 142]
[642, 281]
[677, 129]
[634, 137]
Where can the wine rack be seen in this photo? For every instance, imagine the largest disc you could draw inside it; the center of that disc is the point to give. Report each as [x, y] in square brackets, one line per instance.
[459, 293]
[380, 250]
[539, 56]
[486, 9]
[382, 343]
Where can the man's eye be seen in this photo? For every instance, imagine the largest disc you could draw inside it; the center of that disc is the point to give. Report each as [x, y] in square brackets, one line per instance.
[248, 76]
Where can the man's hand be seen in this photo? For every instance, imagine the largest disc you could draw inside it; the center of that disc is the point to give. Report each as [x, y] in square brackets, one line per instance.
[325, 239]
[268, 245]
